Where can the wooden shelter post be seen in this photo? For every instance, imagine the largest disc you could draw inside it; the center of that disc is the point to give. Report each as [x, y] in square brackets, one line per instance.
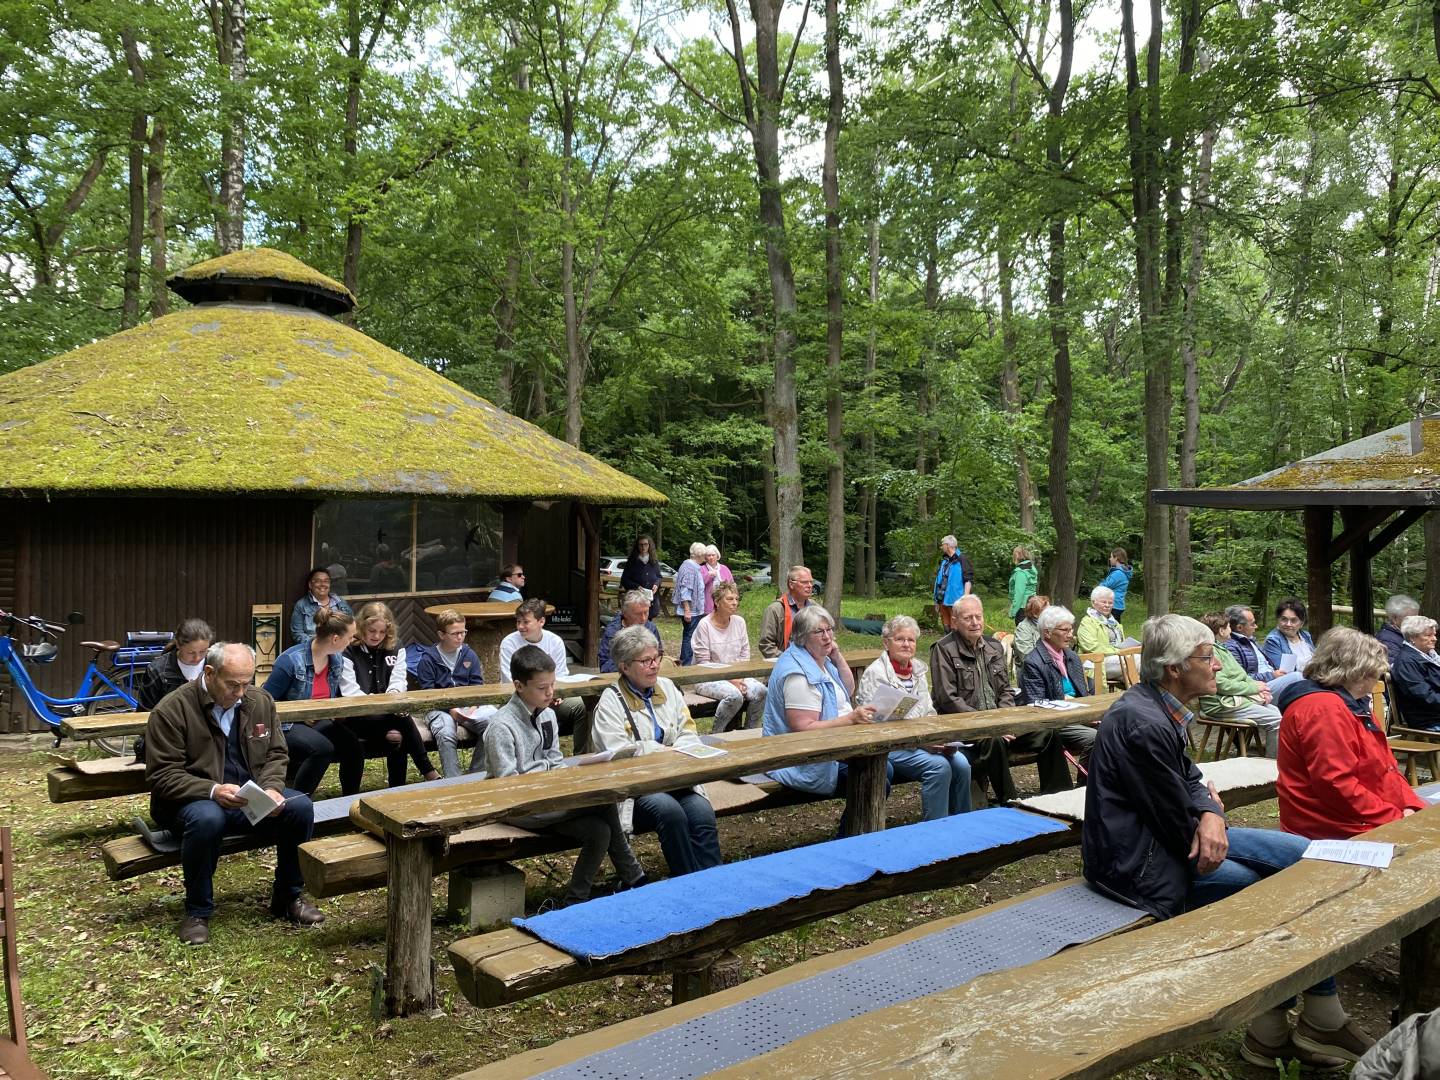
[1318, 524]
[590, 523]
[1362, 598]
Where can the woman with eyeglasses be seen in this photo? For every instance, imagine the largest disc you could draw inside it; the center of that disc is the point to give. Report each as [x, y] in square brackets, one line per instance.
[812, 688]
[648, 712]
[1289, 638]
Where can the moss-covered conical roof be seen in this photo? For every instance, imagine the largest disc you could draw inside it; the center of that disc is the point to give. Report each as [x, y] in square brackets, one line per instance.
[262, 273]
[272, 399]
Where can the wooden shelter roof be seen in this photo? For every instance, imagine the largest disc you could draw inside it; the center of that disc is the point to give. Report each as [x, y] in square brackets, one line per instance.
[1399, 467]
[251, 397]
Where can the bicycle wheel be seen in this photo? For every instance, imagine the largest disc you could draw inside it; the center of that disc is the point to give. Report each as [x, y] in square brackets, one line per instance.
[118, 745]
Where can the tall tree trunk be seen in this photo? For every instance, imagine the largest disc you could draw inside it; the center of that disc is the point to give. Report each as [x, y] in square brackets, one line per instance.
[228, 21]
[155, 197]
[1143, 142]
[354, 71]
[139, 134]
[866, 553]
[508, 307]
[834, 320]
[1010, 382]
[1066, 563]
[772, 499]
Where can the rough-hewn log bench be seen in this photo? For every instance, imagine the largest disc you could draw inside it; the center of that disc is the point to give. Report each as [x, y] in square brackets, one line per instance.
[416, 825]
[1087, 1011]
[511, 964]
[77, 781]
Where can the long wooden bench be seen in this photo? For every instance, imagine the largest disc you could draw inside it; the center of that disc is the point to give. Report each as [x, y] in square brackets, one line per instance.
[1086, 1011]
[415, 826]
[509, 965]
[75, 780]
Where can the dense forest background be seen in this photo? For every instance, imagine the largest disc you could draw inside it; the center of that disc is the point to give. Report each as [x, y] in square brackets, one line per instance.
[838, 280]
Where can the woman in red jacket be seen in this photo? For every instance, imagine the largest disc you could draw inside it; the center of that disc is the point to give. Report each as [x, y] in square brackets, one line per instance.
[1337, 774]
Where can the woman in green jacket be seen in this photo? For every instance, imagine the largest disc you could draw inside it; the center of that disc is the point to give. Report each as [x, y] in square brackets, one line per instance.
[1024, 580]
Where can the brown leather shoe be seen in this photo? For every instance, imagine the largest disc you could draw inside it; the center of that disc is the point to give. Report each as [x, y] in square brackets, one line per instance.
[300, 912]
[1349, 1042]
[193, 930]
[1266, 1057]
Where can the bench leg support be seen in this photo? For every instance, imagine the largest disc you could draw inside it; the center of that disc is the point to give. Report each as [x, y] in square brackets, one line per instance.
[409, 979]
[717, 973]
[865, 794]
[1420, 970]
[486, 894]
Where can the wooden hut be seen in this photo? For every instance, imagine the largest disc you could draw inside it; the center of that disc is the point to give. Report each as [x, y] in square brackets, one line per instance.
[1380, 485]
[200, 463]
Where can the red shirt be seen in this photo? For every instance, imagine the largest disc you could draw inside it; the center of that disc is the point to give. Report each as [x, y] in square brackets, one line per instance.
[1338, 777]
[320, 688]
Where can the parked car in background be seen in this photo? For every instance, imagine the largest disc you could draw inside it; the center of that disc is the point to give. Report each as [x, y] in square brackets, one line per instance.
[760, 576]
[898, 572]
[612, 566]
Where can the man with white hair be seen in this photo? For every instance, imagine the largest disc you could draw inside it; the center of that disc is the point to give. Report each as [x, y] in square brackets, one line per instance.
[952, 579]
[689, 598]
[1397, 609]
[1155, 835]
[203, 744]
[634, 611]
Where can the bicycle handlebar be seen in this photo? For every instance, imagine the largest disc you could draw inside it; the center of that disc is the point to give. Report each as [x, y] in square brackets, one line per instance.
[33, 622]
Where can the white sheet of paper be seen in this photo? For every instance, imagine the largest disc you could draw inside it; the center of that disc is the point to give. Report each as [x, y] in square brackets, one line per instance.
[1056, 704]
[601, 756]
[258, 803]
[1287, 663]
[1129, 643]
[890, 703]
[1358, 852]
[699, 750]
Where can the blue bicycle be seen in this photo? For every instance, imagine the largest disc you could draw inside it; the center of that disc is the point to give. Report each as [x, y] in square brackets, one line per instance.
[99, 691]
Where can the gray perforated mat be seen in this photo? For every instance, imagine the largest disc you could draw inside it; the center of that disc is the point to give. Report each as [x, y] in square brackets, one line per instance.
[1002, 939]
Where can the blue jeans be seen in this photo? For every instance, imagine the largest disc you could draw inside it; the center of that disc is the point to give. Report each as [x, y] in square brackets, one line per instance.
[687, 631]
[685, 823]
[202, 824]
[944, 780]
[1253, 854]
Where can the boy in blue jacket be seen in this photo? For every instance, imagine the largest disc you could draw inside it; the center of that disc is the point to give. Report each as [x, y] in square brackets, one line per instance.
[450, 662]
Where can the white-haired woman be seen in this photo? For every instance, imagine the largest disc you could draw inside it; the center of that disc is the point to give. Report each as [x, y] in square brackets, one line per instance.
[1338, 777]
[943, 772]
[721, 638]
[1416, 674]
[1098, 631]
[811, 689]
[715, 572]
[645, 710]
[1052, 672]
[689, 598]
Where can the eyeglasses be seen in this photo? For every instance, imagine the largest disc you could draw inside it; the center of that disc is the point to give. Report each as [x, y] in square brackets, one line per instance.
[1204, 657]
[647, 661]
[828, 631]
[518, 573]
[1288, 620]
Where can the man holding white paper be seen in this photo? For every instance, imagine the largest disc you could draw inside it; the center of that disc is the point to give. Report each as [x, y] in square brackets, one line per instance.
[214, 756]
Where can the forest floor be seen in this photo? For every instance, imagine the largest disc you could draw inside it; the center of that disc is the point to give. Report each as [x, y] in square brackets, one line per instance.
[110, 992]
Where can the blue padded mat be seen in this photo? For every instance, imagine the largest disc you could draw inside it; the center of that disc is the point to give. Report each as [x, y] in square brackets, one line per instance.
[615, 924]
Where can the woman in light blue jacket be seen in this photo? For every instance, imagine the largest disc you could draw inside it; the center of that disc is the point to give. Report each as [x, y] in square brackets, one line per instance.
[1289, 638]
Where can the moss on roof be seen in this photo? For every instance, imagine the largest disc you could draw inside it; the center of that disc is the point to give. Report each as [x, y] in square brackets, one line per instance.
[266, 399]
[1403, 457]
[259, 265]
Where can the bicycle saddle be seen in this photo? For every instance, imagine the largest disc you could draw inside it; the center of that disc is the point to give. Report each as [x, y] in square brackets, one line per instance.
[100, 646]
[39, 653]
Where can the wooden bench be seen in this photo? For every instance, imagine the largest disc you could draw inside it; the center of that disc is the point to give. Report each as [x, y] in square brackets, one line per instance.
[1409, 750]
[509, 965]
[14, 1061]
[1091, 1010]
[82, 781]
[415, 825]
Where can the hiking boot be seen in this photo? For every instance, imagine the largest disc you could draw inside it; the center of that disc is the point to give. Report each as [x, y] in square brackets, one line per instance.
[1266, 1056]
[300, 912]
[193, 930]
[1349, 1042]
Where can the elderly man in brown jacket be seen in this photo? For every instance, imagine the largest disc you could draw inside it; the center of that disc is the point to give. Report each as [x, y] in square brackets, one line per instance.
[203, 743]
[968, 674]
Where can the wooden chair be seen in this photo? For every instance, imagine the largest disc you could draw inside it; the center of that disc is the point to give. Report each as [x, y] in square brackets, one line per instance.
[1235, 736]
[1409, 750]
[1130, 665]
[13, 1060]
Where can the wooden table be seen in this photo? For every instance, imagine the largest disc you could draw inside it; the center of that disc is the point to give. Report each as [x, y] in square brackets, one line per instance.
[414, 824]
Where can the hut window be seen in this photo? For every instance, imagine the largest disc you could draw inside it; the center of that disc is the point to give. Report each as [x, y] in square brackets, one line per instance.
[371, 539]
[457, 544]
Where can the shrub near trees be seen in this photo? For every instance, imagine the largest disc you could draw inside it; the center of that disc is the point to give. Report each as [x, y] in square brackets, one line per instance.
[1013, 265]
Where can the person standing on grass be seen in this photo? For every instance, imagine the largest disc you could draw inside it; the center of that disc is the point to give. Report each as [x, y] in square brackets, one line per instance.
[952, 579]
[642, 571]
[1024, 580]
[1117, 580]
[1155, 836]
[523, 737]
[689, 598]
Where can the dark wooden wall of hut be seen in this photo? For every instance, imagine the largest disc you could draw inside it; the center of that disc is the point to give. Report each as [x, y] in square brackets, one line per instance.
[145, 564]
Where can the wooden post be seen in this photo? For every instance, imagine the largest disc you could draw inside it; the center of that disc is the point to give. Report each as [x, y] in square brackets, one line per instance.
[409, 975]
[1361, 594]
[1420, 970]
[1318, 523]
[512, 517]
[590, 519]
[704, 975]
[865, 794]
